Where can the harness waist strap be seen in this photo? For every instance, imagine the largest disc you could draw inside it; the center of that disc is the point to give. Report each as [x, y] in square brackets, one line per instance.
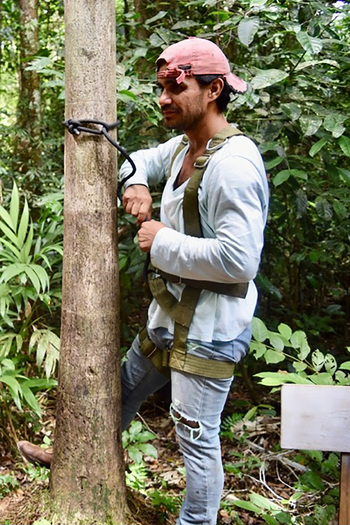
[233, 289]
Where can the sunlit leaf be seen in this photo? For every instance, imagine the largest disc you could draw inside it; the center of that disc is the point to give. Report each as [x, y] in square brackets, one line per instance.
[14, 206]
[317, 147]
[267, 78]
[344, 143]
[311, 44]
[259, 330]
[247, 28]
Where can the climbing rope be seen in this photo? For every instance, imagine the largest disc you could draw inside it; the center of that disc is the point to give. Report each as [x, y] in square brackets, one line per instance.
[75, 127]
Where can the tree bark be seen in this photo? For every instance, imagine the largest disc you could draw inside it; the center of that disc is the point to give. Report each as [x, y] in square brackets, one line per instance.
[27, 146]
[87, 475]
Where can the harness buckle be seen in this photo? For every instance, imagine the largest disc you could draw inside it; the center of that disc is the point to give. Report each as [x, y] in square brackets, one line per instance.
[218, 146]
[200, 165]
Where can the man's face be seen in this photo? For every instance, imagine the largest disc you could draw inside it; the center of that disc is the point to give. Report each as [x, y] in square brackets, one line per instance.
[183, 105]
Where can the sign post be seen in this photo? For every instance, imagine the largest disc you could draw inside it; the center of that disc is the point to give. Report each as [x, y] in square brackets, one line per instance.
[317, 417]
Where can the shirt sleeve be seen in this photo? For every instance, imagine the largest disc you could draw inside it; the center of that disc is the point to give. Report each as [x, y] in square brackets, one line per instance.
[233, 202]
[151, 164]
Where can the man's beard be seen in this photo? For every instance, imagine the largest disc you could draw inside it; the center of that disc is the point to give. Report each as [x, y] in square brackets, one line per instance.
[183, 122]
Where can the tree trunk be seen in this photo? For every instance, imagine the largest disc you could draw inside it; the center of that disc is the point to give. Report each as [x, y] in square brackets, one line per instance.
[87, 475]
[27, 145]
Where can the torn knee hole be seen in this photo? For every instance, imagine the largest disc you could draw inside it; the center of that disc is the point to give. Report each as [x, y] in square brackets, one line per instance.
[193, 427]
[182, 419]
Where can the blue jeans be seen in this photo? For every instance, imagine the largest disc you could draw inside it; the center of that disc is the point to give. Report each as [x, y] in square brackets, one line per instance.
[197, 403]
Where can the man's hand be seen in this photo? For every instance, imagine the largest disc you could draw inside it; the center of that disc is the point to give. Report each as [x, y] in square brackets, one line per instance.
[137, 200]
[147, 233]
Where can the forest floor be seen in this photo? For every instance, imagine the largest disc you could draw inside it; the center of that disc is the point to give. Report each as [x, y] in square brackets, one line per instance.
[257, 473]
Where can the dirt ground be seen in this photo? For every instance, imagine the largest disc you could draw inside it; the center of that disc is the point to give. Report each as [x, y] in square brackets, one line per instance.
[253, 462]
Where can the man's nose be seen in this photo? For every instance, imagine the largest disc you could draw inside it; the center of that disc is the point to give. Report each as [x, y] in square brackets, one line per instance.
[164, 98]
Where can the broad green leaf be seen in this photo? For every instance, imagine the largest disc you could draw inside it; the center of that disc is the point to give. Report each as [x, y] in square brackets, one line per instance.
[258, 349]
[12, 248]
[298, 339]
[184, 24]
[135, 454]
[271, 357]
[23, 225]
[298, 366]
[281, 177]
[344, 143]
[9, 234]
[322, 379]
[273, 163]
[310, 44]
[267, 78]
[42, 274]
[125, 95]
[25, 255]
[334, 124]
[317, 359]
[33, 277]
[292, 110]
[276, 341]
[31, 399]
[317, 147]
[310, 124]
[263, 502]
[13, 270]
[340, 209]
[330, 364]
[12, 383]
[259, 330]
[285, 330]
[341, 378]
[280, 378]
[345, 366]
[247, 505]
[5, 216]
[157, 17]
[14, 206]
[247, 29]
[313, 63]
[148, 450]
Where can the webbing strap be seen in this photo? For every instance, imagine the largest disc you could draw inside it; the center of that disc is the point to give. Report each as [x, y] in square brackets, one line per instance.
[180, 311]
[190, 202]
[180, 360]
[200, 366]
[231, 289]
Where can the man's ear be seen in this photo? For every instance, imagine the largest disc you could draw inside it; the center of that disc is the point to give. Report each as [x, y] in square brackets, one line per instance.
[216, 88]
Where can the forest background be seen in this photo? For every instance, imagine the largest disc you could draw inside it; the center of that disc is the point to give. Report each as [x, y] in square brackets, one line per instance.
[295, 57]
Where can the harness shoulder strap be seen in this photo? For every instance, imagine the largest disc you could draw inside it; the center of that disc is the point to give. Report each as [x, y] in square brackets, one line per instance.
[190, 202]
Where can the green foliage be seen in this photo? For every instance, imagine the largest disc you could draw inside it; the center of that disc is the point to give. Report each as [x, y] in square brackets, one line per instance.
[301, 365]
[135, 442]
[8, 483]
[136, 446]
[31, 256]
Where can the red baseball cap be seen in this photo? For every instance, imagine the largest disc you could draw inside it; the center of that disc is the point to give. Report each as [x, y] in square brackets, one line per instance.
[197, 56]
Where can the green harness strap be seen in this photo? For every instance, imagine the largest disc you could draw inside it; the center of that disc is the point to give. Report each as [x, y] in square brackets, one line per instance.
[182, 311]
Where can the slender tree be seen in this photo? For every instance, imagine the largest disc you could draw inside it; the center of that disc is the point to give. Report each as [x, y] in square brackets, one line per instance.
[87, 475]
[29, 100]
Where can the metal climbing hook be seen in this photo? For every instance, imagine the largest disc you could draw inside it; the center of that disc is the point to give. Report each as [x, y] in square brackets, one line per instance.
[75, 127]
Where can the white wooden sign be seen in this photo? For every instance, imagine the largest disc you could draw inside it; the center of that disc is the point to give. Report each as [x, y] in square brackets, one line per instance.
[315, 417]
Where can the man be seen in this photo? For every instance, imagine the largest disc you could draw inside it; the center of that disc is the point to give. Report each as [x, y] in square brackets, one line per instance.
[206, 251]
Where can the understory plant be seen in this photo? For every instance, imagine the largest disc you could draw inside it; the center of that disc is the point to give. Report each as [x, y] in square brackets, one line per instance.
[30, 295]
[311, 498]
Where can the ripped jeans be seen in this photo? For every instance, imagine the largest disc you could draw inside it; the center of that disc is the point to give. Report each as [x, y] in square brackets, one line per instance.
[196, 407]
